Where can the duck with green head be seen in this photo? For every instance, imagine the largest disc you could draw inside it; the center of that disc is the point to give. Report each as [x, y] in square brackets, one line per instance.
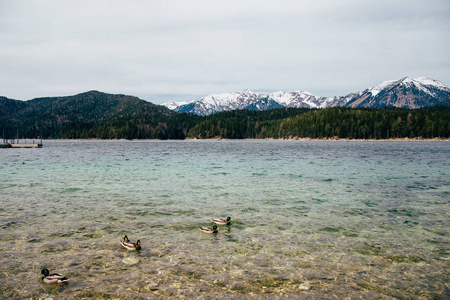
[222, 221]
[127, 244]
[214, 229]
[53, 278]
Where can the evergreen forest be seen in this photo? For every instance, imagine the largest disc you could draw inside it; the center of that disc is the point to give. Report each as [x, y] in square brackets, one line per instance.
[284, 123]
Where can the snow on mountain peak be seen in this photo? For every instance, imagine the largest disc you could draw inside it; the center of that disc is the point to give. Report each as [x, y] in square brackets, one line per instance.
[290, 98]
[432, 82]
[405, 89]
[172, 104]
[407, 80]
[377, 89]
[421, 83]
[247, 91]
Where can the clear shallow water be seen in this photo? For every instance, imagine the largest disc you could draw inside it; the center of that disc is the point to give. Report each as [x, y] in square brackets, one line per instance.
[351, 219]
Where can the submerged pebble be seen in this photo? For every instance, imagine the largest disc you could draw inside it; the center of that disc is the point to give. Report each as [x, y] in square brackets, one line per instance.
[304, 286]
[130, 260]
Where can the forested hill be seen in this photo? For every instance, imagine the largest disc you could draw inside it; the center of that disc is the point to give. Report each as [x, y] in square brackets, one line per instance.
[106, 116]
[47, 116]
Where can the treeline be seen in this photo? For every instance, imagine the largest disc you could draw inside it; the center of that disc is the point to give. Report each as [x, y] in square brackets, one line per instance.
[285, 123]
[336, 122]
[162, 128]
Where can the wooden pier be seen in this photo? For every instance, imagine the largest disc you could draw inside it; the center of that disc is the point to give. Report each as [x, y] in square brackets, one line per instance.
[21, 144]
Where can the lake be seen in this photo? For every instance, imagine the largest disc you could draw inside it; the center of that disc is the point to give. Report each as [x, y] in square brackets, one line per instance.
[312, 219]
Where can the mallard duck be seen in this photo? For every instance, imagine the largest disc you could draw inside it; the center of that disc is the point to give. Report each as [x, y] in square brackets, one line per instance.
[214, 229]
[53, 278]
[124, 239]
[222, 221]
[127, 244]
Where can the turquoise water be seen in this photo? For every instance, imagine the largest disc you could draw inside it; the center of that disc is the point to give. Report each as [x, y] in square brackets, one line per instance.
[313, 219]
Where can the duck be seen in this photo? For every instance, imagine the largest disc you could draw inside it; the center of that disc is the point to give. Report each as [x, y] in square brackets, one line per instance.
[124, 239]
[53, 278]
[222, 221]
[214, 229]
[127, 244]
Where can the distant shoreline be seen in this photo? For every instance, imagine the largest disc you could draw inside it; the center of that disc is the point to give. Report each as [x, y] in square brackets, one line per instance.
[340, 139]
[273, 139]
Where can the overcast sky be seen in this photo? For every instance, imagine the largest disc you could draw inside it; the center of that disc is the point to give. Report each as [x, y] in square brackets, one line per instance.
[183, 50]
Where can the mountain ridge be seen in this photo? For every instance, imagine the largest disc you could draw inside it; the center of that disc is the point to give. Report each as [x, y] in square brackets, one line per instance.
[95, 114]
[47, 115]
[403, 93]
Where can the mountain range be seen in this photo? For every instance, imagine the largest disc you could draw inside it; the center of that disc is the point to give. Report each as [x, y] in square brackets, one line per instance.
[95, 114]
[404, 93]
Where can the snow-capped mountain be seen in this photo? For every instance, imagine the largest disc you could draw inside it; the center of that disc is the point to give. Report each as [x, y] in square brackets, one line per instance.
[219, 102]
[248, 100]
[404, 93]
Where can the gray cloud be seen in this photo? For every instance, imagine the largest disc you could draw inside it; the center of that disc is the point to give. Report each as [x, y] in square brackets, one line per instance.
[180, 50]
